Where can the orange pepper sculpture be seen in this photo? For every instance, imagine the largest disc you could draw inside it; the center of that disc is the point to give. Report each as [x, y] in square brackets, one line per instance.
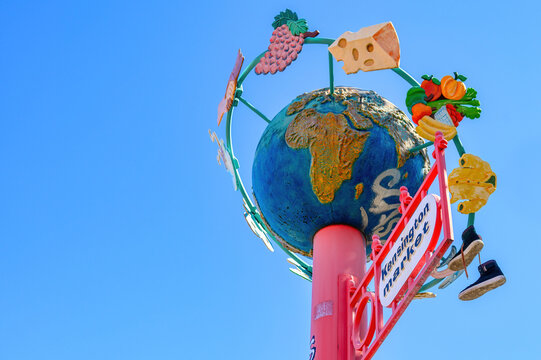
[419, 110]
[474, 181]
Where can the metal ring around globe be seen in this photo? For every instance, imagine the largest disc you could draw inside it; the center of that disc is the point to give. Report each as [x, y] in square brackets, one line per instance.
[305, 267]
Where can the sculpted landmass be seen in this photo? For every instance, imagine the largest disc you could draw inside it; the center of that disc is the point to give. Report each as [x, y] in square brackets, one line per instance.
[363, 114]
[334, 147]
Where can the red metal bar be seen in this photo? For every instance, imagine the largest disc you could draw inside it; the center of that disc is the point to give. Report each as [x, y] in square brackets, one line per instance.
[346, 285]
[439, 154]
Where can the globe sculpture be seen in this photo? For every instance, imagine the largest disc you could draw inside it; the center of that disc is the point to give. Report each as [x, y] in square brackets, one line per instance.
[335, 159]
[340, 169]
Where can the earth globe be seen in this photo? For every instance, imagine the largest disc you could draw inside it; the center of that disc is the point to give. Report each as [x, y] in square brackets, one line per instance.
[335, 158]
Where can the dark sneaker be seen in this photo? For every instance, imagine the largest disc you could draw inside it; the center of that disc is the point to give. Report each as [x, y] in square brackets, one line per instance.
[491, 278]
[471, 246]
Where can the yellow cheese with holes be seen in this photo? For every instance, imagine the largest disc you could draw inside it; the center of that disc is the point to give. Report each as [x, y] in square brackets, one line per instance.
[374, 47]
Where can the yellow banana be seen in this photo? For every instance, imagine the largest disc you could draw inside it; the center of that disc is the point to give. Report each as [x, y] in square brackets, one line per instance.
[435, 123]
[425, 134]
[428, 127]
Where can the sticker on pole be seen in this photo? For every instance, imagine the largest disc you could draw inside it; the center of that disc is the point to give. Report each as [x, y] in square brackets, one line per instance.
[408, 252]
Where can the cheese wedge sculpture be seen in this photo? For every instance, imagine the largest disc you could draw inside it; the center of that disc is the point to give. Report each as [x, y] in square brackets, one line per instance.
[374, 47]
[474, 181]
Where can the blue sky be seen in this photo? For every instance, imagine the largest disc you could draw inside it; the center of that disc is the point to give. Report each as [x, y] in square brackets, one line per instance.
[121, 238]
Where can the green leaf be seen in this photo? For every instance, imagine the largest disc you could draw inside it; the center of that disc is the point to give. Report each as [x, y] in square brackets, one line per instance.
[469, 112]
[436, 81]
[463, 101]
[426, 77]
[297, 27]
[470, 93]
[460, 77]
[292, 15]
[283, 17]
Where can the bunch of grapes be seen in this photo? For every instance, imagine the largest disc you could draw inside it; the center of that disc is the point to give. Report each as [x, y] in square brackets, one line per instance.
[283, 49]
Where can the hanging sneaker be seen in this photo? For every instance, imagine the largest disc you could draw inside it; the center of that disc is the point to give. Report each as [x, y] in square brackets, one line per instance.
[471, 246]
[491, 278]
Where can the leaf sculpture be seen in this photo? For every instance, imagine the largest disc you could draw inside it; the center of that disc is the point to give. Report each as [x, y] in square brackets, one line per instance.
[227, 101]
[283, 17]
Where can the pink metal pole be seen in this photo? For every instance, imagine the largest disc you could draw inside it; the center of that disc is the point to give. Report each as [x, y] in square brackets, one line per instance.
[339, 259]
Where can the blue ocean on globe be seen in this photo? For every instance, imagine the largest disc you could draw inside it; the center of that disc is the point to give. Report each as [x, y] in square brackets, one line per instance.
[335, 159]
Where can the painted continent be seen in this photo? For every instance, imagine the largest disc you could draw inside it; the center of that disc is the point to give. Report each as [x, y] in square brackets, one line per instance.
[334, 147]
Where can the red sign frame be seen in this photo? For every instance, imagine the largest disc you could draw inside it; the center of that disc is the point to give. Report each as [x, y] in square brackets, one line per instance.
[363, 343]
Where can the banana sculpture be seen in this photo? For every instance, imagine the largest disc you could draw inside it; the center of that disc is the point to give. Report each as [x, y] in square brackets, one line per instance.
[428, 127]
[473, 181]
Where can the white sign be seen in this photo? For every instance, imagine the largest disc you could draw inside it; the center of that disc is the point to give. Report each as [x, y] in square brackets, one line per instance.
[408, 250]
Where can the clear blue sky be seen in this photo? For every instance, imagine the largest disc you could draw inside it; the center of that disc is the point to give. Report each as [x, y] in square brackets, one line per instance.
[121, 238]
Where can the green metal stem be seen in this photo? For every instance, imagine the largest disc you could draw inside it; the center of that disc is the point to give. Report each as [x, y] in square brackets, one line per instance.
[249, 68]
[459, 146]
[244, 194]
[420, 147]
[404, 75]
[318, 41]
[331, 73]
[471, 219]
[228, 130]
[254, 62]
[325, 41]
[253, 108]
[461, 151]
[238, 179]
